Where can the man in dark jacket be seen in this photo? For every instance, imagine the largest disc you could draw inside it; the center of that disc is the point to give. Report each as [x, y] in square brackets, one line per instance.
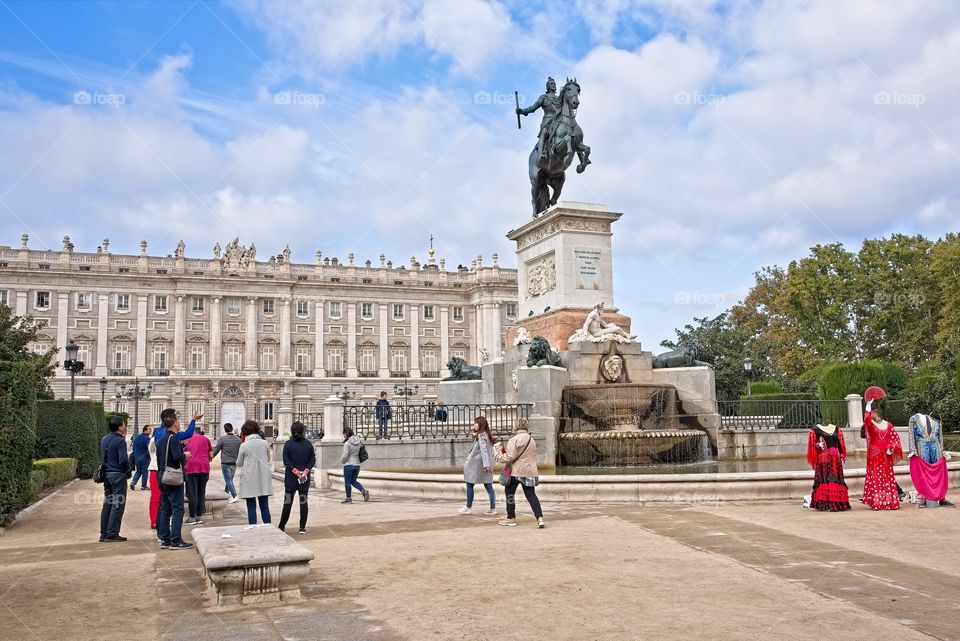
[170, 454]
[228, 447]
[116, 467]
[383, 414]
[141, 458]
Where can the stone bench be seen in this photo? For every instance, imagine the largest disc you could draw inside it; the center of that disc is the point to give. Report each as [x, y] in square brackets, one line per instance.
[254, 565]
[215, 502]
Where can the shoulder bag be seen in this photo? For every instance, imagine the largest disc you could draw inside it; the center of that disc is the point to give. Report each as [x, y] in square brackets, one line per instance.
[171, 475]
[506, 472]
[362, 453]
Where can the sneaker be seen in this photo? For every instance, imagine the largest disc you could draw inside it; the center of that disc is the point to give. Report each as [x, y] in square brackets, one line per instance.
[509, 522]
[347, 501]
[164, 545]
[366, 495]
[182, 545]
[491, 513]
[302, 532]
[133, 487]
[114, 539]
[190, 521]
[464, 510]
[198, 521]
[540, 523]
[234, 499]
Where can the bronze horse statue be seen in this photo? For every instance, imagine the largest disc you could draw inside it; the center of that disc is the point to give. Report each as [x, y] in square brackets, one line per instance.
[565, 140]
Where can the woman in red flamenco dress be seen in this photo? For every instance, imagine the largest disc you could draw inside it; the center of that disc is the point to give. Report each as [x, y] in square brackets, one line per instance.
[826, 452]
[883, 452]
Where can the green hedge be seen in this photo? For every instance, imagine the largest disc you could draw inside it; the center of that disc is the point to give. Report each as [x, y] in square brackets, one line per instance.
[18, 414]
[70, 429]
[896, 412]
[57, 470]
[765, 387]
[920, 383]
[839, 379]
[780, 396]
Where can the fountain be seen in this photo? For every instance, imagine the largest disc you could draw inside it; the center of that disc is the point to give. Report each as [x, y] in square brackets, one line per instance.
[626, 425]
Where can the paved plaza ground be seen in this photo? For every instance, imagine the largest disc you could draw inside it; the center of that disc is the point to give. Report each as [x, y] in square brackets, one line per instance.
[402, 569]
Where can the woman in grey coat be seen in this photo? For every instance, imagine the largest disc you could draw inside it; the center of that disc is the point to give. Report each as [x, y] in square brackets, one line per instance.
[350, 458]
[256, 479]
[478, 468]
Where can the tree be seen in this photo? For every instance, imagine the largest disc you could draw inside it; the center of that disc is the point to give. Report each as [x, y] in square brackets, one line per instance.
[16, 334]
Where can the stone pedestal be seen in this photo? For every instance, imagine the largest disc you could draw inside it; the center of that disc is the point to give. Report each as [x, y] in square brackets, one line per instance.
[583, 361]
[854, 411]
[497, 388]
[461, 392]
[564, 258]
[215, 502]
[333, 420]
[697, 391]
[252, 564]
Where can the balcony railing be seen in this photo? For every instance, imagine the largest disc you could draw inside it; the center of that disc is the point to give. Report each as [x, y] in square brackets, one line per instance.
[304, 373]
[402, 373]
[429, 374]
[121, 372]
[336, 373]
[158, 372]
[368, 373]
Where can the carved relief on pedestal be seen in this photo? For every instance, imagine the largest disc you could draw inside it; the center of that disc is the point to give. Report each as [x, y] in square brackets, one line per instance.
[538, 234]
[541, 275]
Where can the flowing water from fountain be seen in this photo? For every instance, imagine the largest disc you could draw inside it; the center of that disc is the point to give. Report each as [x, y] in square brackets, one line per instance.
[627, 425]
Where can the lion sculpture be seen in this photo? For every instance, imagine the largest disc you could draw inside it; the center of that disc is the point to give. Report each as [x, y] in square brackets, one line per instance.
[541, 353]
[460, 371]
[684, 356]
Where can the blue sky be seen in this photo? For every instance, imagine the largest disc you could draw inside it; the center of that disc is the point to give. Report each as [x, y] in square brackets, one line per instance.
[732, 135]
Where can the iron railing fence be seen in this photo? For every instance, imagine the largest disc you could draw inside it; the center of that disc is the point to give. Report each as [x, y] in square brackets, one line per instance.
[424, 421]
[780, 414]
[313, 421]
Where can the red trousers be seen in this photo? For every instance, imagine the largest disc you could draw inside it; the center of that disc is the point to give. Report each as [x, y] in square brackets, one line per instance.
[154, 499]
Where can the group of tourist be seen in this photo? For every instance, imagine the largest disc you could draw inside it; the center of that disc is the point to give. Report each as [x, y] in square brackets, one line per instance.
[827, 452]
[176, 462]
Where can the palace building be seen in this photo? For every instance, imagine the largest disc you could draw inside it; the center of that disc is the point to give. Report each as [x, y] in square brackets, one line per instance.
[236, 337]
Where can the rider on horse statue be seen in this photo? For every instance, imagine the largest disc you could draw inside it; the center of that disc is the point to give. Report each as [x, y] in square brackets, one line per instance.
[550, 103]
[559, 141]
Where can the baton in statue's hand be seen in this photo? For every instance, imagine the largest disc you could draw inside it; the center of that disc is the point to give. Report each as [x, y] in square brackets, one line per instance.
[516, 98]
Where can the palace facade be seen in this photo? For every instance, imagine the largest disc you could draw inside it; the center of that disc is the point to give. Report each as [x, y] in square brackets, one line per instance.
[235, 337]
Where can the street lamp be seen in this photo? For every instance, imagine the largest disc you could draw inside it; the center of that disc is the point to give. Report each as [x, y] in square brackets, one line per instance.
[345, 394]
[748, 370]
[103, 389]
[405, 392]
[72, 365]
[136, 393]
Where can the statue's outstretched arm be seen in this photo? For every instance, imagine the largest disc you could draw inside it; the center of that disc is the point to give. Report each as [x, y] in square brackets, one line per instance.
[529, 110]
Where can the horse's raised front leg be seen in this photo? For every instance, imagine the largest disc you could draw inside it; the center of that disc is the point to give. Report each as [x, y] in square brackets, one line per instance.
[584, 153]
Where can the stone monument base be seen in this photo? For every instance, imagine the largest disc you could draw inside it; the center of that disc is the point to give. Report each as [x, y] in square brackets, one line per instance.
[559, 325]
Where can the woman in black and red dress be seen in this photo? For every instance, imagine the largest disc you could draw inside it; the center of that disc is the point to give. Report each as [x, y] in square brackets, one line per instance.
[826, 453]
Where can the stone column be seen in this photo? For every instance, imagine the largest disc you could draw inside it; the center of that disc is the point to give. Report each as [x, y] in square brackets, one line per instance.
[319, 362]
[854, 411]
[250, 347]
[478, 336]
[333, 420]
[384, 346]
[141, 363]
[285, 335]
[352, 339]
[444, 341]
[103, 309]
[63, 307]
[495, 342]
[414, 341]
[284, 413]
[216, 335]
[179, 333]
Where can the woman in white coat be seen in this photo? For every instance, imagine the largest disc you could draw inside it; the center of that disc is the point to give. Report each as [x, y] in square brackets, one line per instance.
[478, 468]
[256, 480]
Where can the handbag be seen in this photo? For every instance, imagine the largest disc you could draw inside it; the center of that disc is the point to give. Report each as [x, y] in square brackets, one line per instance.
[99, 474]
[171, 475]
[362, 454]
[506, 472]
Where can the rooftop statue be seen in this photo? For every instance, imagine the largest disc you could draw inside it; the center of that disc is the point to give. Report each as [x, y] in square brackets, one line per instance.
[597, 330]
[560, 137]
